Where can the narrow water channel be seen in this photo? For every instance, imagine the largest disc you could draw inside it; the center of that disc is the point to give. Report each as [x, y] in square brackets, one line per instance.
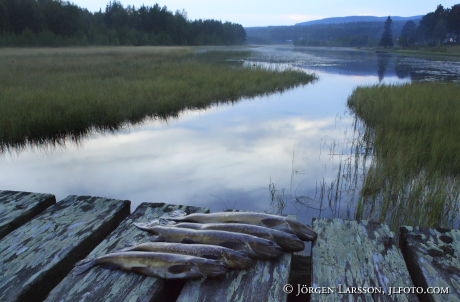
[277, 153]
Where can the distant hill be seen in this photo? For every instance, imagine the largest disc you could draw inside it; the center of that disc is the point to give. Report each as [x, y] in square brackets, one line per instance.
[353, 19]
[355, 31]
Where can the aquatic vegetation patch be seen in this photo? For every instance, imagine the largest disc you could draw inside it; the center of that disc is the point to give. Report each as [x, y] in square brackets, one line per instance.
[412, 134]
[47, 95]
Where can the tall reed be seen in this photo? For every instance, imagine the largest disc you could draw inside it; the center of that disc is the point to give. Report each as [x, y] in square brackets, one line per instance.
[412, 132]
[50, 94]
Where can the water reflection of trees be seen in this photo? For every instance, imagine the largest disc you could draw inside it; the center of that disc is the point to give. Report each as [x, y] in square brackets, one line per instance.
[415, 69]
[426, 70]
[16, 142]
[382, 63]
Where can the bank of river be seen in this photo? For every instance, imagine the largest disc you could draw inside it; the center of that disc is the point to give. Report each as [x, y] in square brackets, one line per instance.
[272, 152]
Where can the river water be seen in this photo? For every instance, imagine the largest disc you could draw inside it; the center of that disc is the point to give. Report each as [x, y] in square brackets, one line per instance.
[279, 153]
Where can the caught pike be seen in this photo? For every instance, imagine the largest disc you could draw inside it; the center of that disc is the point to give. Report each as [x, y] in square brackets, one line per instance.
[233, 259]
[287, 241]
[162, 265]
[253, 246]
[277, 222]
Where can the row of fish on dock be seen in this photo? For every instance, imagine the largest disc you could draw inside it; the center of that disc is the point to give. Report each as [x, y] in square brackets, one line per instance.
[206, 245]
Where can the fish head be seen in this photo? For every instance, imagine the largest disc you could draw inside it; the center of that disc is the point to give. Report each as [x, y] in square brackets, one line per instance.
[290, 242]
[301, 230]
[265, 249]
[212, 268]
[237, 260]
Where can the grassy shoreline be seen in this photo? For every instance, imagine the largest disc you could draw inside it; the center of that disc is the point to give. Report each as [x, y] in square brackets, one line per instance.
[412, 132]
[49, 94]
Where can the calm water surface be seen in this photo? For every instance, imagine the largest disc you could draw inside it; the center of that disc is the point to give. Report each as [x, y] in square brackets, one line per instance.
[282, 147]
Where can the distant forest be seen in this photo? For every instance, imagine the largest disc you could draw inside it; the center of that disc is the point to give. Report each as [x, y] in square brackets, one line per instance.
[439, 27]
[60, 23]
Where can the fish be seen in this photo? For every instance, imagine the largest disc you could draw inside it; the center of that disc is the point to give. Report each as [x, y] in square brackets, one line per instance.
[162, 265]
[276, 222]
[254, 247]
[233, 259]
[287, 241]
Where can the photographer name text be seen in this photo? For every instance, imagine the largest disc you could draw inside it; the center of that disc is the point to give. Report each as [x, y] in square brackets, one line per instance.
[300, 289]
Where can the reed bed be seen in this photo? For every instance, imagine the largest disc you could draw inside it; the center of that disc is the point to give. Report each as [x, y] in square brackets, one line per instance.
[411, 132]
[48, 95]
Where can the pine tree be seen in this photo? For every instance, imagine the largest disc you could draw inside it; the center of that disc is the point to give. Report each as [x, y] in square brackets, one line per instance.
[408, 34]
[387, 36]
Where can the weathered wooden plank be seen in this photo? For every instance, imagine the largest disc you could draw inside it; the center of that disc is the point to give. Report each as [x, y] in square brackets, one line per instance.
[101, 284]
[16, 208]
[300, 275]
[350, 257]
[433, 260]
[300, 271]
[37, 255]
[263, 282]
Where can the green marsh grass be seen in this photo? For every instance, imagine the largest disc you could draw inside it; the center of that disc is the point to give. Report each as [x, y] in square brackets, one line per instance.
[412, 135]
[48, 95]
[451, 51]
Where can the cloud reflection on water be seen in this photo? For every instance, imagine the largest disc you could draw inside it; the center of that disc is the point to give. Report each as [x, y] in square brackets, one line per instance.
[189, 159]
[221, 157]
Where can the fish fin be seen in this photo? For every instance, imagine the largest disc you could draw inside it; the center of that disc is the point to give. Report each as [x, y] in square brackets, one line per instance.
[113, 266]
[211, 256]
[234, 245]
[180, 268]
[141, 270]
[83, 266]
[271, 222]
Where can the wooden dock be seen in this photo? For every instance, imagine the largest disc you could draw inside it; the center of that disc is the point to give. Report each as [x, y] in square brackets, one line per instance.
[41, 240]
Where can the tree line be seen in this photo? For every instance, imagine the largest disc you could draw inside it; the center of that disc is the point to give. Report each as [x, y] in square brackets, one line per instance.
[435, 28]
[58, 23]
[439, 27]
[354, 34]
[351, 34]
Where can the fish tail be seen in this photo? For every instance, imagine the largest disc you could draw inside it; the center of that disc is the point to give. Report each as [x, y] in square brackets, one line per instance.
[174, 214]
[129, 246]
[165, 221]
[83, 266]
[142, 226]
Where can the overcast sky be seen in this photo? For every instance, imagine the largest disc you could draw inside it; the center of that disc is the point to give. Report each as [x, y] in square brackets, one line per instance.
[278, 12]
